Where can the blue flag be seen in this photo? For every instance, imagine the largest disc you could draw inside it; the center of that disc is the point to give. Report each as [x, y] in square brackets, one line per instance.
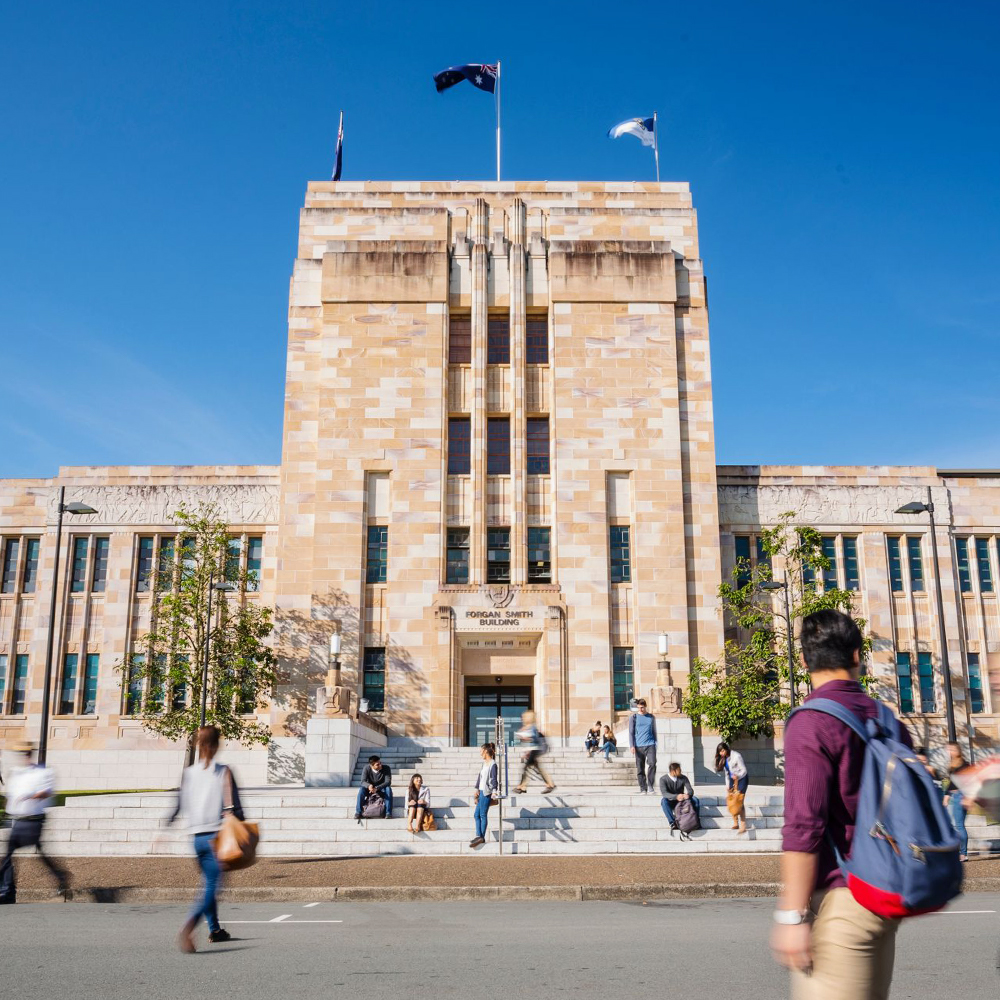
[339, 162]
[480, 75]
[641, 128]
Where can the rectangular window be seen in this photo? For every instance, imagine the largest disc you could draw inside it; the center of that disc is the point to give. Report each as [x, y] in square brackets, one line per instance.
[925, 671]
[538, 446]
[178, 689]
[255, 558]
[621, 553]
[165, 565]
[30, 577]
[763, 559]
[983, 562]
[539, 556]
[498, 341]
[157, 683]
[67, 695]
[622, 675]
[460, 340]
[9, 578]
[90, 672]
[144, 565]
[976, 700]
[808, 576]
[377, 561]
[234, 557]
[537, 340]
[78, 580]
[133, 695]
[829, 543]
[373, 674]
[457, 569]
[3, 682]
[498, 555]
[498, 446]
[19, 686]
[905, 680]
[99, 577]
[459, 446]
[852, 576]
[741, 545]
[895, 565]
[916, 563]
[964, 573]
[189, 559]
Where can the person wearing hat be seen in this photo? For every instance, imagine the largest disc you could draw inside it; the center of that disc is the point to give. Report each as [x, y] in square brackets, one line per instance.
[29, 788]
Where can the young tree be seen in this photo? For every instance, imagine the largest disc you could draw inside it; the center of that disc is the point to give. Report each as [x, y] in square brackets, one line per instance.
[165, 669]
[741, 694]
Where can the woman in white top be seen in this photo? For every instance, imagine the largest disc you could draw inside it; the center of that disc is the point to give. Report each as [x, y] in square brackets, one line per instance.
[418, 801]
[737, 779]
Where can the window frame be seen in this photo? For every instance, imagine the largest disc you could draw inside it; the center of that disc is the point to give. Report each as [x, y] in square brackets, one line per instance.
[376, 553]
[69, 684]
[973, 660]
[536, 352]
[535, 575]
[903, 660]
[497, 570]
[498, 340]
[463, 355]
[623, 546]
[456, 546]
[10, 560]
[368, 688]
[459, 456]
[963, 564]
[984, 568]
[537, 463]
[626, 671]
[20, 659]
[928, 692]
[498, 458]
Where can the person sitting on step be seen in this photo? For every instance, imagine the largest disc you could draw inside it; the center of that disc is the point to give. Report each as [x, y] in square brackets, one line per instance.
[674, 788]
[609, 744]
[376, 780]
[593, 740]
[418, 801]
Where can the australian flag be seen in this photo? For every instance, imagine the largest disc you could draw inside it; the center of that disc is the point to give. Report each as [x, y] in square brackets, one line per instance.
[479, 75]
[339, 161]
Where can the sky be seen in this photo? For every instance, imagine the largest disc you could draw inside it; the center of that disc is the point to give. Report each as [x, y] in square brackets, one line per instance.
[844, 160]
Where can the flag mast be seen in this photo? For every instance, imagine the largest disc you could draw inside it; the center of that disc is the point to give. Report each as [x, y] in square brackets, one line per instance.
[656, 148]
[498, 118]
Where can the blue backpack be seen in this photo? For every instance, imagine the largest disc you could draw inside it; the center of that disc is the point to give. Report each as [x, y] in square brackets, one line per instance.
[904, 858]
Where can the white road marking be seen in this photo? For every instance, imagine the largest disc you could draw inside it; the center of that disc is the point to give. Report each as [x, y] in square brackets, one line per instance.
[284, 920]
[277, 920]
[311, 904]
[949, 913]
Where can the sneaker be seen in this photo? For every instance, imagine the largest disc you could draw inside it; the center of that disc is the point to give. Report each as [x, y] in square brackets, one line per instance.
[8, 900]
[477, 842]
[548, 789]
[220, 935]
[357, 816]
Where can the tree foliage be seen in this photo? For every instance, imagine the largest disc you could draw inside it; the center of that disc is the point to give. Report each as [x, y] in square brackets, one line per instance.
[164, 669]
[741, 694]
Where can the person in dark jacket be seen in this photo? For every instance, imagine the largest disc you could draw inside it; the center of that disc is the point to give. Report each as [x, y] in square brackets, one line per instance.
[593, 740]
[376, 780]
[674, 788]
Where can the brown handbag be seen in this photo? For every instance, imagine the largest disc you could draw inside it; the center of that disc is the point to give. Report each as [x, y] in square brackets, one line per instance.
[236, 842]
[734, 802]
[429, 822]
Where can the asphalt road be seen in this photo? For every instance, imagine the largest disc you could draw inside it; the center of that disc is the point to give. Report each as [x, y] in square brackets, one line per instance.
[706, 949]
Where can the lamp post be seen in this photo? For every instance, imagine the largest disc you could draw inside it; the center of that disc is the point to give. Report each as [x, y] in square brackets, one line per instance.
[222, 586]
[783, 585]
[916, 507]
[64, 508]
[334, 675]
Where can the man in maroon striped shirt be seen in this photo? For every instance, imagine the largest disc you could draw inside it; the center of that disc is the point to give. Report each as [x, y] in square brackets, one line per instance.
[834, 946]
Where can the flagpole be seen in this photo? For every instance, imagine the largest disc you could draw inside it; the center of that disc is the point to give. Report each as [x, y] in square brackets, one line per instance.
[656, 148]
[498, 119]
[340, 140]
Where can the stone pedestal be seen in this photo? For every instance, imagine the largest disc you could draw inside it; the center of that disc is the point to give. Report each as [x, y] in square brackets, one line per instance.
[675, 742]
[332, 745]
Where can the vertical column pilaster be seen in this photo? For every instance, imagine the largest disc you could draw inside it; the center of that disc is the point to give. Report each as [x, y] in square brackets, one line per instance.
[480, 291]
[517, 269]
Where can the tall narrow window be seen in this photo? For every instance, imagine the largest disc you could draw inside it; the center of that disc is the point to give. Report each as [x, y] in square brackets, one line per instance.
[234, 556]
[157, 683]
[178, 689]
[255, 558]
[165, 565]
[539, 556]
[90, 673]
[189, 558]
[852, 577]
[67, 694]
[133, 694]
[9, 578]
[460, 340]
[144, 565]
[621, 553]
[19, 685]
[830, 551]
[459, 450]
[536, 346]
[964, 572]
[377, 561]
[808, 575]
[498, 446]
[925, 671]
[3, 683]
[983, 563]
[538, 446]
[741, 546]
[895, 565]
[99, 576]
[498, 555]
[916, 563]
[78, 579]
[373, 679]
[498, 341]
[622, 676]
[763, 559]
[976, 701]
[904, 677]
[30, 578]
[457, 569]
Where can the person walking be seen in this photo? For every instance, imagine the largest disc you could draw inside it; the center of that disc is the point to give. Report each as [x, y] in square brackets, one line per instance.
[609, 745]
[29, 789]
[642, 740]
[675, 787]
[487, 783]
[836, 948]
[955, 802]
[208, 790]
[737, 780]
[533, 744]
[418, 801]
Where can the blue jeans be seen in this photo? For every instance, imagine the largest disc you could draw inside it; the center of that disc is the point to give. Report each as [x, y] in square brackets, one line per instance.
[482, 814]
[957, 813]
[211, 872]
[386, 794]
[609, 749]
[669, 812]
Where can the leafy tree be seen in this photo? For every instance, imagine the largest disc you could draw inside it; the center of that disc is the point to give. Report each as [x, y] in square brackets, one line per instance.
[740, 695]
[164, 671]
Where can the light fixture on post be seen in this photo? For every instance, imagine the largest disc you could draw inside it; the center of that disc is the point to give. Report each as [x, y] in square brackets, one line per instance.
[223, 587]
[783, 585]
[333, 699]
[663, 664]
[333, 673]
[666, 697]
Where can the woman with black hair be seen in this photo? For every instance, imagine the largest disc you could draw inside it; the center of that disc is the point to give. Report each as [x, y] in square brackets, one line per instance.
[418, 801]
[737, 780]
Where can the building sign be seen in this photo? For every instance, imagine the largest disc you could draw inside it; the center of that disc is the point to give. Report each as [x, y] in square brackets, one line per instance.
[499, 620]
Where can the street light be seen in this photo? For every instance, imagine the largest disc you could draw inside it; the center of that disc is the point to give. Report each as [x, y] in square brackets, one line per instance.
[64, 508]
[783, 585]
[916, 507]
[223, 587]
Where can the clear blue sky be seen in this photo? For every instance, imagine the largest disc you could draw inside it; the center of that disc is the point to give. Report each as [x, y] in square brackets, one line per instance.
[844, 159]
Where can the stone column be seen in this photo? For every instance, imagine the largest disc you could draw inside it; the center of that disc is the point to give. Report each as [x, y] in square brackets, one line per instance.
[480, 292]
[517, 270]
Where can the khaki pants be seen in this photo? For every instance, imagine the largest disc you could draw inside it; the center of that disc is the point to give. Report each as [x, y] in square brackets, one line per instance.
[853, 951]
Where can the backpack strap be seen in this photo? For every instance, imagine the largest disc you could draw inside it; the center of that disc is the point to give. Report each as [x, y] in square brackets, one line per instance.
[829, 707]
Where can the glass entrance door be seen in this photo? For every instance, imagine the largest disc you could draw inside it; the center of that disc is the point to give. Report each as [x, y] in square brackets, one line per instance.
[484, 704]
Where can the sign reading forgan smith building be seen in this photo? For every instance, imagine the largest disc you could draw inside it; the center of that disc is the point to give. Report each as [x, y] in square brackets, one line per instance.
[500, 620]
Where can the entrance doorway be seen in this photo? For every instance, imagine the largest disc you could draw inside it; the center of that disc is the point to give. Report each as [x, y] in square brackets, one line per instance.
[484, 704]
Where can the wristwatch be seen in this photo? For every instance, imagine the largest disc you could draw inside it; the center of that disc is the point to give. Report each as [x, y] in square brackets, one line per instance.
[791, 918]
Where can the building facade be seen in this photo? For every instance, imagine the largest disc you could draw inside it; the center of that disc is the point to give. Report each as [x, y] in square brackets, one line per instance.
[498, 486]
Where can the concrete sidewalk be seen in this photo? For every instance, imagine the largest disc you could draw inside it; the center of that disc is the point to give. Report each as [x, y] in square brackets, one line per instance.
[395, 879]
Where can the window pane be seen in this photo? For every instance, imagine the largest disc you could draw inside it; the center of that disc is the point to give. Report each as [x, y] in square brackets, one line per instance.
[459, 340]
[622, 675]
[539, 556]
[457, 569]
[895, 565]
[498, 446]
[133, 696]
[964, 573]
[378, 554]
[67, 696]
[9, 579]
[976, 699]
[234, 556]
[741, 545]
[144, 566]
[165, 565]
[763, 559]
[498, 341]
[3, 681]
[459, 452]
[916, 562]
[178, 689]
[983, 561]
[20, 684]
[926, 674]
[90, 683]
[374, 679]
[157, 683]
[538, 446]
[621, 554]
[852, 578]
[255, 558]
[189, 561]
[79, 575]
[99, 580]
[537, 340]
[498, 555]
[30, 578]
[830, 551]
[905, 682]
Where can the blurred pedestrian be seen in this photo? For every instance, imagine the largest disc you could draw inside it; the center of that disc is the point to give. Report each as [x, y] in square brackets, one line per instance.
[487, 784]
[609, 744]
[534, 745]
[676, 787]
[418, 801]
[737, 781]
[642, 740]
[955, 802]
[29, 789]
